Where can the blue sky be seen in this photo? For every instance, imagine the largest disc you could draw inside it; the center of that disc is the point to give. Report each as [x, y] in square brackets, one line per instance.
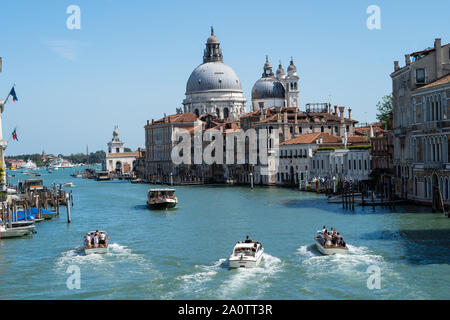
[130, 60]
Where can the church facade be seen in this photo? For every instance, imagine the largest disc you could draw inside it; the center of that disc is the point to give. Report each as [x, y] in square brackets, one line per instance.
[214, 99]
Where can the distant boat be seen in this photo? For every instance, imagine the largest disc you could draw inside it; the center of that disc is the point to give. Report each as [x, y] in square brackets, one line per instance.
[329, 249]
[30, 165]
[68, 184]
[102, 246]
[102, 176]
[161, 198]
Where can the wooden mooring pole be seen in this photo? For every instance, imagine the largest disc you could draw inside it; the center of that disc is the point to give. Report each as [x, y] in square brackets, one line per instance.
[68, 208]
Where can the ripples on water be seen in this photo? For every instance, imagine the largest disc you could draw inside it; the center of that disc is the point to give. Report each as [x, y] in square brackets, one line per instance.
[230, 284]
[182, 253]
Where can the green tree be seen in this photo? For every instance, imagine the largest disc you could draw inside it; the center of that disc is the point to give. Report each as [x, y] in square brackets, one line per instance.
[384, 108]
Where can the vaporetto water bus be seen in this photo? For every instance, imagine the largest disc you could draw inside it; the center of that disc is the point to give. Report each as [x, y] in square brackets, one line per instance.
[161, 198]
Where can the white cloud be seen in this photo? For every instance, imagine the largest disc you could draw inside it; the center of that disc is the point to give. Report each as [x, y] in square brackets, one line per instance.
[67, 49]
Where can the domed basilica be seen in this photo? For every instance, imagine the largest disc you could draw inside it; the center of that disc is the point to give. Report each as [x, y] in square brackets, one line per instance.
[276, 91]
[214, 87]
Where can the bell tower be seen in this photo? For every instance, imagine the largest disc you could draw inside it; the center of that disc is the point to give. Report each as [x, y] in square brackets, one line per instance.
[291, 85]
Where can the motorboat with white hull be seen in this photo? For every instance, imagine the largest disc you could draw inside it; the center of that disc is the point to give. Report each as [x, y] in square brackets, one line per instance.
[15, 232]
[246, 254]
[161, 198]
[329, 249]
[90, 247]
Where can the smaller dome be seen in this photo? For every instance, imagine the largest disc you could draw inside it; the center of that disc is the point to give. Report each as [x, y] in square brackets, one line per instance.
[280, 72]
[268, 88]
[292, 68]
[212, 39]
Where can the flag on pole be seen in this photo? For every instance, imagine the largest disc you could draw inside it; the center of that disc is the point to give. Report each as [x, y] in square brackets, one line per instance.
[12, 93]
[14, 135]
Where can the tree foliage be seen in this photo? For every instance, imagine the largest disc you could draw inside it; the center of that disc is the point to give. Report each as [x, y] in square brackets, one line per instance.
[384, 107]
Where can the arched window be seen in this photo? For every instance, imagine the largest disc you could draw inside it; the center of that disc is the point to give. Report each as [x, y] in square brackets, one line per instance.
[197, 113]
[225, 113]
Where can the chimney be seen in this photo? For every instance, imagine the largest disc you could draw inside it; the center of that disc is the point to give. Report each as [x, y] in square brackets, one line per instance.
[148, 122]
[349, 113]
[341, 111]
[335, 110]
[153, 121]
[407, 59]
[396, 66]
[438, 53]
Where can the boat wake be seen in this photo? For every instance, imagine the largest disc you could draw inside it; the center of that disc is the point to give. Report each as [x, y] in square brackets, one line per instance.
[116, 251]
[194, 282]
[353, 264]
[250, 281]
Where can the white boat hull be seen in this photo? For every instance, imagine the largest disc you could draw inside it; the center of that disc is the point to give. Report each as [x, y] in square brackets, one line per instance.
[15, 232]
[330, 251]
[95, 250]
[245, 261]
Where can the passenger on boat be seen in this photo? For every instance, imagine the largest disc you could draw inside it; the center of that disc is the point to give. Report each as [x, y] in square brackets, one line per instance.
[102, 241]
[248, 240]
[87, 241]
[96, 239]
[340, 240]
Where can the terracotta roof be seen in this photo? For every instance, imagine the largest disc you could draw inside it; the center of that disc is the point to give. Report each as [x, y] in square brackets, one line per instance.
[443, 80]
[311, 138]
[358, 139]
[179, 117]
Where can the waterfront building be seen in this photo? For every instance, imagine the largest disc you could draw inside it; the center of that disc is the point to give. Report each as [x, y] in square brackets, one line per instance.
[117, 160]
[382, 152]
[159, 144]
[296, 154]
[340, 163]
[214, 99]
[421, 126]
[15, 163]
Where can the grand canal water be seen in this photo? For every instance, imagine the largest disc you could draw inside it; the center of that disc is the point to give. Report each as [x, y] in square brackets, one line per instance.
[182, 253]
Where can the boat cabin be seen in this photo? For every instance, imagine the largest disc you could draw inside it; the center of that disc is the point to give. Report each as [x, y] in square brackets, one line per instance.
[33, 185]
[103, 175]
[161, 193]
[247, 249]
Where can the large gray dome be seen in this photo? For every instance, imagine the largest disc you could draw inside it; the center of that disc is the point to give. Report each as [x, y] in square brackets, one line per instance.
[215, 76]
[268, 88]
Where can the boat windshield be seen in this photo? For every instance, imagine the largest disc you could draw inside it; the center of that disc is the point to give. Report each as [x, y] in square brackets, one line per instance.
[246, 251]
[162, 194]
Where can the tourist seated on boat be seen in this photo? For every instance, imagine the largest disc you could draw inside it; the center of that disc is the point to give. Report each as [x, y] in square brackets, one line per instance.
[340, 240]
[248, 240]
